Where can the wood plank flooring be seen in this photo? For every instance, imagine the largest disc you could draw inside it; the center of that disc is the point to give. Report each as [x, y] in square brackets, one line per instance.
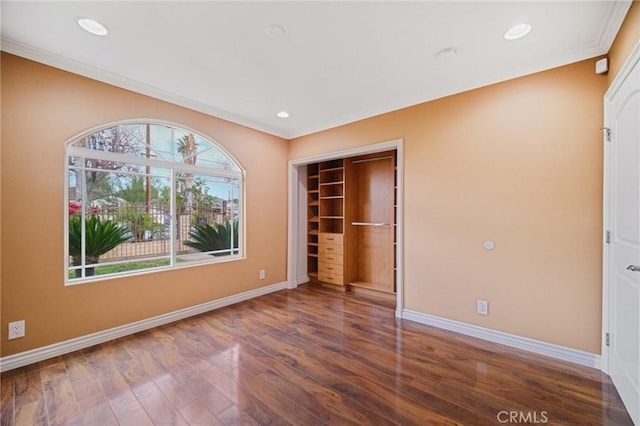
[309, 356]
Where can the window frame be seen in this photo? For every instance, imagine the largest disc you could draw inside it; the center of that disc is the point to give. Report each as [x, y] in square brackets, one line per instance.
[173, 168]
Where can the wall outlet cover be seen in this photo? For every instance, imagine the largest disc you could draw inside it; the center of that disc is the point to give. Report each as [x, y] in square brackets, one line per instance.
[483, 307]
[16, 329]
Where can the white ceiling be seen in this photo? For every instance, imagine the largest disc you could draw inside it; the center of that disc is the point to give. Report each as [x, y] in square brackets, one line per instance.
[338, 61]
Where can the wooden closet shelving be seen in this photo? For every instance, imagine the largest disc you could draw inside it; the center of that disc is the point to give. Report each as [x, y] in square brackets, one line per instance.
[352, 213]
[313, 219]
[330, 249]
[331, 197]
[325, 207]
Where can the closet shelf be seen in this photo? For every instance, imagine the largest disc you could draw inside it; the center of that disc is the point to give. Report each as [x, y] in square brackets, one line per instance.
[325, 209]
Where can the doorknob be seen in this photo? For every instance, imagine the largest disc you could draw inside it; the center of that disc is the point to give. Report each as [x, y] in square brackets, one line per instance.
[633, 268]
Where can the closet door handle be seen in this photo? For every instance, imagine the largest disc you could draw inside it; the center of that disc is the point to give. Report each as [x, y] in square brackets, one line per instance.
[633, 268]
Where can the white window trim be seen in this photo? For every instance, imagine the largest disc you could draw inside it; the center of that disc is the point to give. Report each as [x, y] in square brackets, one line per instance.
[173, 167]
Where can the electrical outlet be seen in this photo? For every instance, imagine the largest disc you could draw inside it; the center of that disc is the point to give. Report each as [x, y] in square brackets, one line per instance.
[263, 273]
[483, 307]
[16, 329]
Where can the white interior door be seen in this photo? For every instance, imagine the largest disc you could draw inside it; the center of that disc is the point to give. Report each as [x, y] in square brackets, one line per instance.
[622, 106]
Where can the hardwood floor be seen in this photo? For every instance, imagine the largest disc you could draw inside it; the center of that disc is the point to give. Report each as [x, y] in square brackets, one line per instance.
[308, 356]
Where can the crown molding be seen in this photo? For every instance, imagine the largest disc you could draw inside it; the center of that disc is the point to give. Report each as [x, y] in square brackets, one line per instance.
[601, 45]
[612, 25]
[38, 55]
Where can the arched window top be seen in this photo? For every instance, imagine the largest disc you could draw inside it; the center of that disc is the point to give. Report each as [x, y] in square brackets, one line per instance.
[157, 141]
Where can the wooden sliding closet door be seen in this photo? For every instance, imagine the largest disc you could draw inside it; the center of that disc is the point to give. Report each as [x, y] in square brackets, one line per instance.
[370, 220]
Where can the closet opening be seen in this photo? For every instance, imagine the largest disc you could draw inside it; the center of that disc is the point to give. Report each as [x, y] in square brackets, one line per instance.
[348, 221]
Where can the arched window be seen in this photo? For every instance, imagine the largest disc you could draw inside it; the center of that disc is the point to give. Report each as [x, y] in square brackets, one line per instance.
[146, 196]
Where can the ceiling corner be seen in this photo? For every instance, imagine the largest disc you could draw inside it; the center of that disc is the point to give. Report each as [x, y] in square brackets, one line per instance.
[612, 24]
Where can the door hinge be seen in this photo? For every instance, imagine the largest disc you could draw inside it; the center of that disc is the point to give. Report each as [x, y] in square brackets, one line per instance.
[607, 133]
[607, 339]
[608, 237]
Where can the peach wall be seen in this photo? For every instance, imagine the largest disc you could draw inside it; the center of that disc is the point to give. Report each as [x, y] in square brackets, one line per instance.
[519, 163]
[42, 109]
[626, 39]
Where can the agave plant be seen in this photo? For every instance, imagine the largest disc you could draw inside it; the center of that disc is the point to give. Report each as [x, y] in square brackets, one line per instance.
[206, 237]
[100, 237]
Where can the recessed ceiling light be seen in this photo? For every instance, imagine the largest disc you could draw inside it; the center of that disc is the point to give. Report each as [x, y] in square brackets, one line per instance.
[446, 54]
[283, 114]
[517, 31]
[92, 26]
[274, 31]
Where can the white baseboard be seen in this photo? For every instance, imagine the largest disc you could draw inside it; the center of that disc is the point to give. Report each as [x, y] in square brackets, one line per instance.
[296, 282]
[40, 354]
[554, 351]
[303, 280]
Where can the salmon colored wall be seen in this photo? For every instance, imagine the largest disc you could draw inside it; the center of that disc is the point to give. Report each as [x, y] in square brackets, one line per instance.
[626, 39]
[519, 163]
[43, 108]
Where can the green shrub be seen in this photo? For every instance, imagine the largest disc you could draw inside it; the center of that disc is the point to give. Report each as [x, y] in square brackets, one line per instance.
[139, 222]
[206, 237]
[101, 236]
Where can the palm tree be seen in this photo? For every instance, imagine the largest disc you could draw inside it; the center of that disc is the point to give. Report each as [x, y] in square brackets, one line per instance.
[100, 237]
[187, 147]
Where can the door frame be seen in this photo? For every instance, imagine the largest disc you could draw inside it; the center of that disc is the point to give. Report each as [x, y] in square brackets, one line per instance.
[624, 73]
[297, 225]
